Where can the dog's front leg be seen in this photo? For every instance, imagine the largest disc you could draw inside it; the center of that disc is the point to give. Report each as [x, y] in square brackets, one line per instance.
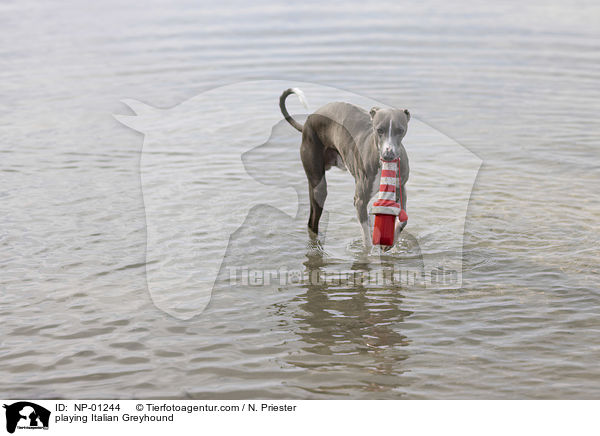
[363, 219]
[399, 224]
[366, 234]
[398, 229]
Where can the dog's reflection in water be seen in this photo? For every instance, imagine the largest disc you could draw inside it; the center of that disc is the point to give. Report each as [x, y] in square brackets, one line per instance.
[347, 321]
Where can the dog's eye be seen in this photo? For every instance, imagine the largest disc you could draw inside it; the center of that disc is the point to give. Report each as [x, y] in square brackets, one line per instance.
[380, 131]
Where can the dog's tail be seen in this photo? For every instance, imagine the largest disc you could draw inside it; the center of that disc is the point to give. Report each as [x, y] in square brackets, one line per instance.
[284, 111]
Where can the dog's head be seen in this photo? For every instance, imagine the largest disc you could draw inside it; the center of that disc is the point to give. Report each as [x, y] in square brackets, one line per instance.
[389, 127]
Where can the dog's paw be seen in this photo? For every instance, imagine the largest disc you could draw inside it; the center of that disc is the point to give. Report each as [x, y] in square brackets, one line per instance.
[386, 248]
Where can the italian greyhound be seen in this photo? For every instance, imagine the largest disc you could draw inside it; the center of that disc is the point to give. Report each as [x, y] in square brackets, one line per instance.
[346, 136]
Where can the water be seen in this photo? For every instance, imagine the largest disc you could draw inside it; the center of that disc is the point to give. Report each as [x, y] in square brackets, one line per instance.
[515, 84]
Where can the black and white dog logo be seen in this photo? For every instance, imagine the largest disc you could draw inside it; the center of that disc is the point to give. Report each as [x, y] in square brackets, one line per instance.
[26, 415]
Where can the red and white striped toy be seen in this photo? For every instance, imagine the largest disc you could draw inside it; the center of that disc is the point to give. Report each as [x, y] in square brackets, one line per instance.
[385, 208]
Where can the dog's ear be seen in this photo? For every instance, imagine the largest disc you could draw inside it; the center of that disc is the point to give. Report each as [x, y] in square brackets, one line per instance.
[407, 113]
[374, 111]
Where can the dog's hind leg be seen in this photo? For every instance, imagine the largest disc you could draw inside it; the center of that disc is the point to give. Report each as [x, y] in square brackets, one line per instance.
[317, 195]
[313, 160]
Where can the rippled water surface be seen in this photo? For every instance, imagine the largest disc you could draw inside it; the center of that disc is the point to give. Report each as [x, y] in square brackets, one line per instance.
[516, 85]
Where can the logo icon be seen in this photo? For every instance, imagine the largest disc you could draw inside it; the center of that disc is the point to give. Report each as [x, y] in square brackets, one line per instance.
[26, 415]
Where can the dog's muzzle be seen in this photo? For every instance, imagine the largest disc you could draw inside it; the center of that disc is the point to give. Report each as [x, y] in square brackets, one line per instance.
[389, 152]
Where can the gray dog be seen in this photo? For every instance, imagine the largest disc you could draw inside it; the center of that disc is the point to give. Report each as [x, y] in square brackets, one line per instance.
[346, 136]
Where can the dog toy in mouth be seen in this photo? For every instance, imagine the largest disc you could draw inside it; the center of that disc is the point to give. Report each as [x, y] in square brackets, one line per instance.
[386, 209]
